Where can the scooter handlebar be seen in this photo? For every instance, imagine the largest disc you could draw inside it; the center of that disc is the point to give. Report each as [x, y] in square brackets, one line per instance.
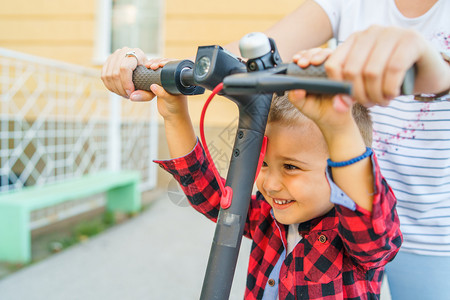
[143, 78]
[176, 77]
[293, 69]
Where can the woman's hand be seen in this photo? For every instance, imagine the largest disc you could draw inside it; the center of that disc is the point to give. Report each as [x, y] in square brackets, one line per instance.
[117, 76]
[376, 60]
[117, 73]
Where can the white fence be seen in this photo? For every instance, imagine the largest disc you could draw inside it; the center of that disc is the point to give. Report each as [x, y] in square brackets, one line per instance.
[57, 121]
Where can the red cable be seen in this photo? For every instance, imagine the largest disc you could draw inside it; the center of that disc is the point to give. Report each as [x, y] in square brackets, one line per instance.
[227, 192]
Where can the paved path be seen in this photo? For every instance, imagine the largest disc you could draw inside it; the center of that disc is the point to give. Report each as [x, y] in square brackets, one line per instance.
[159, 255]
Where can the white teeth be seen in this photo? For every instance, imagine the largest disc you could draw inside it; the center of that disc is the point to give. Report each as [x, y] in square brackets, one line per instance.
[281, 202]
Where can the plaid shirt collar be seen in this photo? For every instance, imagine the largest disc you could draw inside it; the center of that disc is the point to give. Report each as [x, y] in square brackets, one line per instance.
[322, 223]
[325, 222]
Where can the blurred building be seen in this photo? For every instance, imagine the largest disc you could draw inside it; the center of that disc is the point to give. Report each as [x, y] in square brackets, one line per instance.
[57, 121]
[84, 32]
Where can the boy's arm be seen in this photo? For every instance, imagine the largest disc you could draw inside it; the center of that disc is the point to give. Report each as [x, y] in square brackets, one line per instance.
[344, 143]
[180, 134]
[368, 222]
[196, 179]
[189, 165]
[371, 238]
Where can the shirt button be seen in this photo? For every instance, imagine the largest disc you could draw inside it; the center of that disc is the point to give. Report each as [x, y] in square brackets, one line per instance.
[271, 282]
[322, 238]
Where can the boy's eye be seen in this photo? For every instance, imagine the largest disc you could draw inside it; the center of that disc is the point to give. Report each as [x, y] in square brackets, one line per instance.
[290, 167]
[264, 164]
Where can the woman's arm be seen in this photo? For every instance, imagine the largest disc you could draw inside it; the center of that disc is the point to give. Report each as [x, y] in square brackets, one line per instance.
[306, 27]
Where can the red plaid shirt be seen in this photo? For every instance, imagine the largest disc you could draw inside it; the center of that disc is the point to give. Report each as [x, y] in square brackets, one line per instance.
[341, 255]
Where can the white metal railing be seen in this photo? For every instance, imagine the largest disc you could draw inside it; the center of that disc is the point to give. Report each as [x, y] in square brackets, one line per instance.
[57, 121]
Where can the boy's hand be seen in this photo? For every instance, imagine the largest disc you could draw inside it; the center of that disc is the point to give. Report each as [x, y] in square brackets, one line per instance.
[318, 56]
[323, 110]
[170, 107]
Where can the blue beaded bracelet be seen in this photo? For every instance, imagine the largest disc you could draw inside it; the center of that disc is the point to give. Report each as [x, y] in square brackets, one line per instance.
[334, 164]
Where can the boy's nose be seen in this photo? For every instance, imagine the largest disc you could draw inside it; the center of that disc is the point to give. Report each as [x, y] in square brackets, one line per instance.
[272, 183]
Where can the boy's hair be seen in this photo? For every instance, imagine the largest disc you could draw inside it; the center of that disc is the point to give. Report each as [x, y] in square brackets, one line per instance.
[282, 110]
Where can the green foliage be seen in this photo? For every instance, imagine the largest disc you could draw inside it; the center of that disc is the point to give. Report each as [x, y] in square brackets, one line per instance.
[108, 219]
[89, 228]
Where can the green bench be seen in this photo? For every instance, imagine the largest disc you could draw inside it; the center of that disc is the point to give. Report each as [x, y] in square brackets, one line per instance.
[122, 193]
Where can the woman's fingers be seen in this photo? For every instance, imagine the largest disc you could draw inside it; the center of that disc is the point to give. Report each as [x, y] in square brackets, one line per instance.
[141, 96]
[117, 72]
[407, 51]
[375, 62]
[314, 56]
[156, 63]
[375, 68]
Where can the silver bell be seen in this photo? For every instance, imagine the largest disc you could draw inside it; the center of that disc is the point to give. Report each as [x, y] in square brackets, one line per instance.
[254, 45]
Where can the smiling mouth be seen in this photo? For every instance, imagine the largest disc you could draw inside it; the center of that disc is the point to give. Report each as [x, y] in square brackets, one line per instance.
[282, 202]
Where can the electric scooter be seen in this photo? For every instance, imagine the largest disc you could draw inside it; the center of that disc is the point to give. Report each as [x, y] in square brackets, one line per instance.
[250, 85]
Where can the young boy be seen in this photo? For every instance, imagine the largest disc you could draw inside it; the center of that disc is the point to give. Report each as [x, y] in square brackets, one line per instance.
[318, 232]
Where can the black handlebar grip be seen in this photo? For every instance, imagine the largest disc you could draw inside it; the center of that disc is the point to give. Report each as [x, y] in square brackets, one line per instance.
[143, 78]
[311, 71]
[176, 77]
[293, 69]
